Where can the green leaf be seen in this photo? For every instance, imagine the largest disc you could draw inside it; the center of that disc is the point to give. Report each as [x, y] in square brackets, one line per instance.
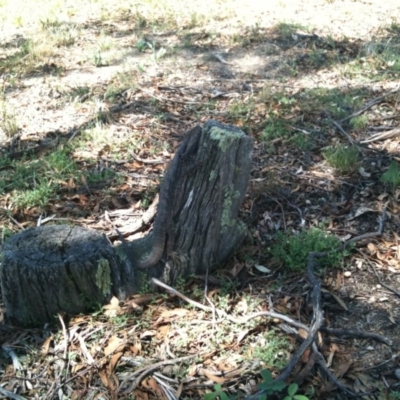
[279, 385]
[292, 389]
[218, 392]
[267, 376]
[300, 397]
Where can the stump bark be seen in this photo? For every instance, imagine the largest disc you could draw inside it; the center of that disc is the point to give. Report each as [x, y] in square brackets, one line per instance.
[53, 269]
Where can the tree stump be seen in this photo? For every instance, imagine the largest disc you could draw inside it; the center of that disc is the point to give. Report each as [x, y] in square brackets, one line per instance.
[54, 269]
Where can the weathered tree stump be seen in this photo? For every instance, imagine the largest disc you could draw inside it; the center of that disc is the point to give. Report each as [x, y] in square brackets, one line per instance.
[56, 268]
[51, 269]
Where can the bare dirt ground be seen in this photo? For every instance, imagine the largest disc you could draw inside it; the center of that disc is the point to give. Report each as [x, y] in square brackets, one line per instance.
[140, 76]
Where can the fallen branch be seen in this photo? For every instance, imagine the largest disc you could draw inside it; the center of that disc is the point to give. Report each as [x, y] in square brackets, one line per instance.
[142, 372]
[370, 104]
[350, 333]
[382, 136]
[348, 137]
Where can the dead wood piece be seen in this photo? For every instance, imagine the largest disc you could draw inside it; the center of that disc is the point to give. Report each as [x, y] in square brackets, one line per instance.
[349, 333]
[382, 136]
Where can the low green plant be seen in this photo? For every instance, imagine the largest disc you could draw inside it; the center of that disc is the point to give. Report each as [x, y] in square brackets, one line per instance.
[292, 390]
[271, 349]
[275, 128]
[5, 233]
[343, 158]
[392, 175]
[141, 45]
[79, 93]
[241, 110]
[293, 250]
[219, 393]
[39, 196]
[394, 395]
[270, 387]
[383, 56]
[318, 58]
[98, 60]
[302, 141]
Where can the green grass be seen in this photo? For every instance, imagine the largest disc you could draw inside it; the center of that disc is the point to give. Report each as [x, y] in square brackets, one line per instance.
[378, 59]
[302, 141]
[287, 30]
[36, 181]
[292, 250]
[335, 102]
[359, 122]
[345, 159]
[8, 120]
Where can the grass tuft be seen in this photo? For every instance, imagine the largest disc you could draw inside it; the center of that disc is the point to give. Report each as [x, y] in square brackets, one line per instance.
[343, 158]
[8, 120]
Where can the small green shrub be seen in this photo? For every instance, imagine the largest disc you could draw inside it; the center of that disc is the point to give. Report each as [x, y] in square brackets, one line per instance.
[293, 250]
[344, 159]
[392, 175]
[275, 128]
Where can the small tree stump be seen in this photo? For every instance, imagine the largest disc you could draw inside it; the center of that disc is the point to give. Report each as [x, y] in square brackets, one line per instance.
[56, 268]
[46, 270]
